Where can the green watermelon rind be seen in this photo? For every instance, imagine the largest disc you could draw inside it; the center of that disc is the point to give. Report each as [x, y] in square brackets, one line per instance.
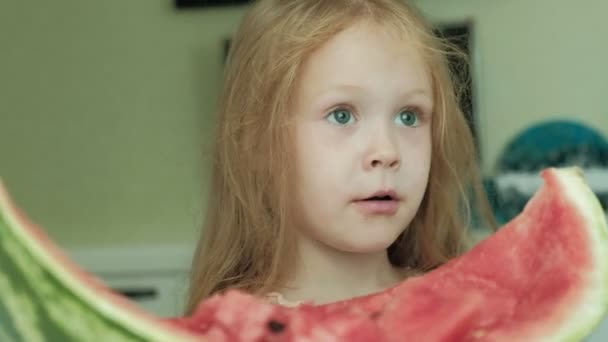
[594, 302]
[27, 251]
[36, 306]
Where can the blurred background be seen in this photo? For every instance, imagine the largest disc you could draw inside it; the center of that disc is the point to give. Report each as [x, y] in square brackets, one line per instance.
[106, 111]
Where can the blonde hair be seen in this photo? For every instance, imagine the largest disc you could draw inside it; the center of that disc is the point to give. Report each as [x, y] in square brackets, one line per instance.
[245, 241]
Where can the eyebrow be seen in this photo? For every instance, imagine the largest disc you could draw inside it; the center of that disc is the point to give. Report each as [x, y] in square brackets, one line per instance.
[340, 87]
[417, 91]
[356, 88]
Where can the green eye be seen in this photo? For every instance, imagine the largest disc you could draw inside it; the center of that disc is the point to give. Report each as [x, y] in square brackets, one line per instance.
[341, 117]
[408, 118]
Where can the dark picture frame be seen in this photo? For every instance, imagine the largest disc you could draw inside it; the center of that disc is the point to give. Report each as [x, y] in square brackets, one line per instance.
[191, 4]
[461, 35]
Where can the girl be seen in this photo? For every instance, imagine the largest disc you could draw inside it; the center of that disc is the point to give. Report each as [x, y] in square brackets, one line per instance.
[342, 162]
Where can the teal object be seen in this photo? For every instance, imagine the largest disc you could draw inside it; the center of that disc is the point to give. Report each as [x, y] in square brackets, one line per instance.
[555, 143]
[549, 144]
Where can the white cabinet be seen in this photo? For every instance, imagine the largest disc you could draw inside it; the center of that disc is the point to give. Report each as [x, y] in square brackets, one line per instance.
[155, 277]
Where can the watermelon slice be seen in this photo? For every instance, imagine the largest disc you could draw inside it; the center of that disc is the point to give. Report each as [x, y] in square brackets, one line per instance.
[542, 277]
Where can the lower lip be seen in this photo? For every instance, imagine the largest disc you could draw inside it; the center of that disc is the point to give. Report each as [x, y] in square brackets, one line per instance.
[378, 207]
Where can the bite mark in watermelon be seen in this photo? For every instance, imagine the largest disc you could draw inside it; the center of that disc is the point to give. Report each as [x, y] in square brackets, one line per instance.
[541, 277]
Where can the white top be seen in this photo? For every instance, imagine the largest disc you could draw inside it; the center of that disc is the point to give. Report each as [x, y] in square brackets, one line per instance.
[277, 298]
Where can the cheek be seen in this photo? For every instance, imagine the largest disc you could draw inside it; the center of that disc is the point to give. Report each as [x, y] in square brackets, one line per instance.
[320, 176]
[416, 161]
[311, 165]
[417, 148]
[321, 154]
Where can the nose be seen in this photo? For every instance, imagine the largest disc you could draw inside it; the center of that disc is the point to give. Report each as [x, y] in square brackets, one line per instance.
[384, 154]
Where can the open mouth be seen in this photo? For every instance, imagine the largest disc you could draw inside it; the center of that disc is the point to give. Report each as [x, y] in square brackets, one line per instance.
[384, 203]
[380, 198]
[383, 195]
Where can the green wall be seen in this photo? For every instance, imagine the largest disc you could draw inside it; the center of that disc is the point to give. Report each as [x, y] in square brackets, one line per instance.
[104, 108]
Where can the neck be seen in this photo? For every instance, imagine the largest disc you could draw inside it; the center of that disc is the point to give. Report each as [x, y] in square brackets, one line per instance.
[324, 274]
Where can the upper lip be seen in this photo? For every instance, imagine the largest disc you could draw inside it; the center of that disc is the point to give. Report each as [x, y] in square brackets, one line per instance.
[383, 193]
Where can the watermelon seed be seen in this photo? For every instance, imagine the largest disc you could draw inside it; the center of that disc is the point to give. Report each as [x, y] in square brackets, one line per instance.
[374, 315]
[276, 326]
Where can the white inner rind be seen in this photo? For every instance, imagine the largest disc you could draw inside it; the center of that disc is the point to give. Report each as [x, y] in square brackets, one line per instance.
[591, 307]
[144, 327]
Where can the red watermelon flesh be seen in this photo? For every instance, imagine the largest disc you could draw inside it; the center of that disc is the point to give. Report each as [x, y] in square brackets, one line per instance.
[542, 277]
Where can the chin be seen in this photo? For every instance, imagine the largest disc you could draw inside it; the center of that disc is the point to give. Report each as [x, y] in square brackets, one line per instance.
[365, 244]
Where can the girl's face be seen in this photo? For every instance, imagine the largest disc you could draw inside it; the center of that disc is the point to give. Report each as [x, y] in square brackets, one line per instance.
[363, 129]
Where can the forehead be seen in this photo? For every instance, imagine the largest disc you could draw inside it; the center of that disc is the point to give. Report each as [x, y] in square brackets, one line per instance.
[368, 56]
